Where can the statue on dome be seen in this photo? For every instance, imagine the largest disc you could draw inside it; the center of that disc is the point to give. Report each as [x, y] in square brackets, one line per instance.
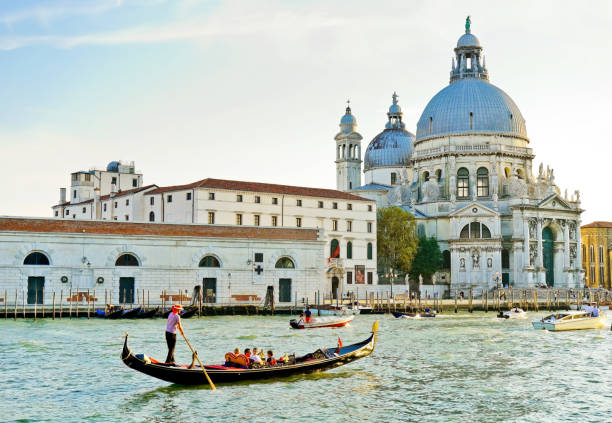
[468, 23]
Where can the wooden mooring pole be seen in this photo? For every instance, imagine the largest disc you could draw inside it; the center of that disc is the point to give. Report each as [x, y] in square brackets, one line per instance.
[61, 303]
[53, 313]
[455, 301]
[15, 304]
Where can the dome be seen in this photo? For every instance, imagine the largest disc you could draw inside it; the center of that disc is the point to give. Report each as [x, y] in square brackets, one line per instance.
[113, 167]
[471, 105]
[395, 109]
[348, 123]
[348, 119]
[468, 40]
[392, 147]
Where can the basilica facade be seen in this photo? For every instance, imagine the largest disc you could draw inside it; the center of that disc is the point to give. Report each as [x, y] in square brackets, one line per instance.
[467, 176]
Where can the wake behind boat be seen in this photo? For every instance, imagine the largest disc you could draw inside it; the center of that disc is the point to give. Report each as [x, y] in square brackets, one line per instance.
[320, 360]
[321, 322]
[514, 313]
[400, 315]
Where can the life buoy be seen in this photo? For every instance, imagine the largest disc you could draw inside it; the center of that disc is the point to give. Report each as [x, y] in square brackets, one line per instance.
[100, 279]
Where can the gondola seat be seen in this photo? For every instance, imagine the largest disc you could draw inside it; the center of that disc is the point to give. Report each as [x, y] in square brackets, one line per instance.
[233, 360]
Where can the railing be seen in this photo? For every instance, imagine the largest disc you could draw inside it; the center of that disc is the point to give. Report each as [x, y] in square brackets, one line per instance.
[471, 147]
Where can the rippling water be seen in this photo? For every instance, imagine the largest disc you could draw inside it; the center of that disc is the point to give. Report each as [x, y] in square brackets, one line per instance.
[459, 368]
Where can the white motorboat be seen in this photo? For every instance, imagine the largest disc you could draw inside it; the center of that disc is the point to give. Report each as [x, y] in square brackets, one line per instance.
[514, 313]
[321, 322]
[572, 320]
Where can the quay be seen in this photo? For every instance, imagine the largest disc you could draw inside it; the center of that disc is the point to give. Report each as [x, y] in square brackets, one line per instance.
[83, 304]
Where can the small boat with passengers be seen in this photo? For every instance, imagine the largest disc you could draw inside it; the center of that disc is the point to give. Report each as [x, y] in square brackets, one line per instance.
[426, 313]
[321, 322]
[317, 361]
[513, 313]
[571, 320]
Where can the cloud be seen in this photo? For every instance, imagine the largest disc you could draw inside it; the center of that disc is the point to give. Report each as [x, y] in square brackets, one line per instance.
[46, 14]
[198, 30]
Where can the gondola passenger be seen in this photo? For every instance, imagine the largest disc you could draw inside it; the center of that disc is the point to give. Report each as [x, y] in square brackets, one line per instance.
[255, 358]
[271, 360]
[174, 322]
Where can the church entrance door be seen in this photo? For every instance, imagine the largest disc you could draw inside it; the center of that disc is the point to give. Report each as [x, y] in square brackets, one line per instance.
[335, 286]
[548, 256]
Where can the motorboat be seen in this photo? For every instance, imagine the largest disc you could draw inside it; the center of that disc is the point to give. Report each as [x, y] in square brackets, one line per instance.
[320, 360]
[430, 313]
[332, 310]
[321, 322]
[513, 313]
[574, 320]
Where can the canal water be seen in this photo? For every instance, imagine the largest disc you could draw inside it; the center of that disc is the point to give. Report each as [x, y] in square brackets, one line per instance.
[459, 368]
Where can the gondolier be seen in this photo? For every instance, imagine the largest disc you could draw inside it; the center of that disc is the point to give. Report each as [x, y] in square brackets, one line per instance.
[174, 322]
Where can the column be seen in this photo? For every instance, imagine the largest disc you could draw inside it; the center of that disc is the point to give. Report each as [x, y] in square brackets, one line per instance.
[578, 263]
[566, 239]
[526, 244]
[540, 262]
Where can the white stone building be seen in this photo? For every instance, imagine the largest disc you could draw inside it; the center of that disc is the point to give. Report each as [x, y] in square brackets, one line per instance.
[467, 178]
[231, 262]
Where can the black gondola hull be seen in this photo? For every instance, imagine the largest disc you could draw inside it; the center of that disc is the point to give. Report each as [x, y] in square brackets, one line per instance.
[185, 376]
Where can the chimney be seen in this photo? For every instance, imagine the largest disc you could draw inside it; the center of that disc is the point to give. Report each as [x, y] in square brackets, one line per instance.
[62, 195]
[97, 206]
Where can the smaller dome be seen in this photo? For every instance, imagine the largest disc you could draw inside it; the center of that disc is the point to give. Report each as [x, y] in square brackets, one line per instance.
[348, 118]
[395, 109]
[468, 40]
[392, 147]
[113, 167]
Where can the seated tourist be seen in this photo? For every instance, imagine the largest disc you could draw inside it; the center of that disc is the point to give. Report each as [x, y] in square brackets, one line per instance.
[255, 356]
[247, 352]
[271, 360]
[595, 312]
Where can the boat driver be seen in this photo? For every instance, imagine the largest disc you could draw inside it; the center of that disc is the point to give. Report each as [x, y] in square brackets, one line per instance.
[308, 313]
[174, 322]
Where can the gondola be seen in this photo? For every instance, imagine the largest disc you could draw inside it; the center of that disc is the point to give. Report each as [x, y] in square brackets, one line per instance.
[147, 314]
[320, 360]
[185, 314]
[115, 314]
[414, 315]
[131, 314]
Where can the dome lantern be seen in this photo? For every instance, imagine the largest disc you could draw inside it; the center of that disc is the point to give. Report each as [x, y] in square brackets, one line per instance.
[348, 123]
[468, 57]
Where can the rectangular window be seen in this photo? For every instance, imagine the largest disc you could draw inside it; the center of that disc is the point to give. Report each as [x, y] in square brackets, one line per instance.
[601, 275]
[114, 180]
[257, 199]
[104, 206]
[369, 207]
[393, 178]
[591, 254]
[67, 212]
[134, 182]
[274, 200]
[56, 213]
[74, 194]
[256, 220]
[84, 209]
[334, 225]
[127, 217]
[169, 199]
[115, 204]
[334, 206]
[349, 277]
[349, 226]
[152, 200]
[370, 278]
[601, 259]
[238, 219]
[370, 227]
[75, 176]
[320, 204]
[127, 202]
[463, 188]
[482, 186]
[258, 257]
[274, 221]
[211, 218]
[298, 203]
[211, 195]
[239, 198]
[188, 196]
[298, 222]
[349, 206]
[87, 177]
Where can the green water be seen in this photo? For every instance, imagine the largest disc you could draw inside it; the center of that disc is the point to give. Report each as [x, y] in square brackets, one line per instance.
[461, 368]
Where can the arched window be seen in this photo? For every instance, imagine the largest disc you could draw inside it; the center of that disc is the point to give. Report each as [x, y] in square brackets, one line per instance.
[126, 260]
[482, 182]
[209, 261]
[430, 124]
[284, 263]
[425, 176]
[446, 257]
[151, 217]
[520, 173]
[349, 250]
[507, 172]
[370, 254]
[463, 183]
[439, 175]
[420, 230]
[334, 250]
[36, 258]
[471, 120]
[475, 230]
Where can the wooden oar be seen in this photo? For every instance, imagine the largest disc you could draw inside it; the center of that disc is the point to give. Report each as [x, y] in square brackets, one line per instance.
[212, 385]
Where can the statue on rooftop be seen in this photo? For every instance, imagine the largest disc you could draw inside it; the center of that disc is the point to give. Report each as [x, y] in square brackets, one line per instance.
[468, 23]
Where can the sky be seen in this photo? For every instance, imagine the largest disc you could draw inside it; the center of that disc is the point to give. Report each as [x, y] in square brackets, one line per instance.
[254, 90]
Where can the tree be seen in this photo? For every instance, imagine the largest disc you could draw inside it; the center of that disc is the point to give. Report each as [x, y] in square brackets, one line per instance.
[428, 258]
[396, 239]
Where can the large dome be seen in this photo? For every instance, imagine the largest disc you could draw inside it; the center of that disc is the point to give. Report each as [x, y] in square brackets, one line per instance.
[392, 147]
[471, 105]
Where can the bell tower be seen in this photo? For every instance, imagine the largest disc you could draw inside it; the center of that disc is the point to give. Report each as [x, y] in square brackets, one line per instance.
[348, 153]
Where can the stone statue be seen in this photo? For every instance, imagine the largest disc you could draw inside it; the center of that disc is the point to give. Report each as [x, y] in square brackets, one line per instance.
[541, 173]
[565, 196]
[577, 192]
[404, 176]
[462, 263]
[431, 191]
[394, 196]
[551, 179]
[489, 262]
[475, 258]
